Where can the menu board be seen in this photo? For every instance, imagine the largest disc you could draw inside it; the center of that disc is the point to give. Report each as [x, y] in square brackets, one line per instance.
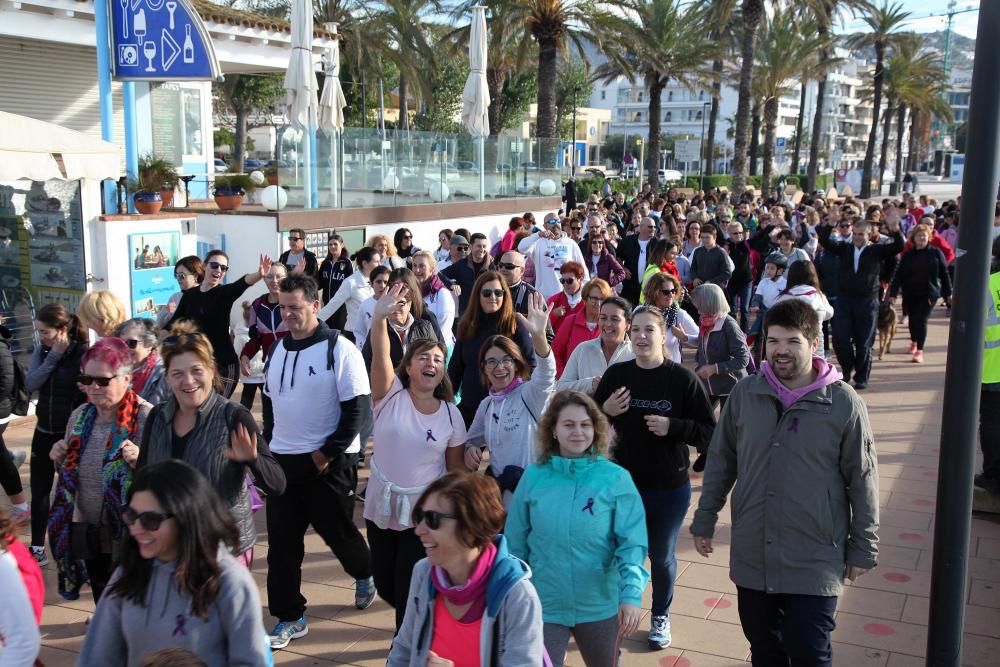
[167, 122]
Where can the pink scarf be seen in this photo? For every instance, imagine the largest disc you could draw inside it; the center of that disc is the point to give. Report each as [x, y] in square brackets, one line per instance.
[500, 394]
[473, 591]
[705, 325]
[432, 285]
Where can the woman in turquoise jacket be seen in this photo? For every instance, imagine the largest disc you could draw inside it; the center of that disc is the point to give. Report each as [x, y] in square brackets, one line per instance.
[578, 521]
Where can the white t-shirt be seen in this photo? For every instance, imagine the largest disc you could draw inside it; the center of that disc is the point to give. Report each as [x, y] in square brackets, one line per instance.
[409, 453]
[362, 322]
[306, 395]
[642, 254]
[549, 255]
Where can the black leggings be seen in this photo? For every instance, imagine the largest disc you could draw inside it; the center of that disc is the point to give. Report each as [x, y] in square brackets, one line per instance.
[394, 553]
[918, 309]
[229, 374]
[10, 479]
[42, 471]
[266, 408]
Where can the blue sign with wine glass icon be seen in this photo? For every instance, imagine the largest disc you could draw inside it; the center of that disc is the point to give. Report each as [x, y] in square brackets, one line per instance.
[160, 40]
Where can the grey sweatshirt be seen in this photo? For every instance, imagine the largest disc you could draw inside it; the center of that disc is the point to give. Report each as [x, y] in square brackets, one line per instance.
[123, 632]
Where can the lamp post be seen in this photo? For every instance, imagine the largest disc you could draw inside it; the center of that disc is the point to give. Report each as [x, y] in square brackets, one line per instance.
[642, 162]
[701, 149]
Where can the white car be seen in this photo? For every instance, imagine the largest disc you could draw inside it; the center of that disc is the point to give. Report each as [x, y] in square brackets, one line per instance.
[669, 175]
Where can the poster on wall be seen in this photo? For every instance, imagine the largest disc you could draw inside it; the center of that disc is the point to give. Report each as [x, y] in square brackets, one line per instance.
[152, 258]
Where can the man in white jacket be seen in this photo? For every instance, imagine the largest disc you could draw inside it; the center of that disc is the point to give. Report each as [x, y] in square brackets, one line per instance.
[549, 249]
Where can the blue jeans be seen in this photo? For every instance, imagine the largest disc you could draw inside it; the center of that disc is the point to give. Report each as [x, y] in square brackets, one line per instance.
[854, 324]
[665, 510]
[739, 301]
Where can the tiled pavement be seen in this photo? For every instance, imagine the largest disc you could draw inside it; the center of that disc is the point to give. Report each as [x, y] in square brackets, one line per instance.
[881, 619]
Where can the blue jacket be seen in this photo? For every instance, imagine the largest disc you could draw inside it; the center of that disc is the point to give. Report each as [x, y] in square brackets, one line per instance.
[581, 526]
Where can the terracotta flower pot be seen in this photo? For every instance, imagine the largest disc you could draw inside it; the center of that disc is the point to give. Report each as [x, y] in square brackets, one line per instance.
[272, 179]
[228, 200]
[147, 203]
[168, 197]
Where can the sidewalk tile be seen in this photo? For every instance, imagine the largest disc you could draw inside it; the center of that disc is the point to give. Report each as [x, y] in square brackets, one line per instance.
[879, 633]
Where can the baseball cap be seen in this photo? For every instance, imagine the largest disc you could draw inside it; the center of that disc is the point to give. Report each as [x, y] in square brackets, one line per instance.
[457, 239]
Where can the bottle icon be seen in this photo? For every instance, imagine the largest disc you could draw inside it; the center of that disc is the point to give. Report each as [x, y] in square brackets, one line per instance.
[188, 45]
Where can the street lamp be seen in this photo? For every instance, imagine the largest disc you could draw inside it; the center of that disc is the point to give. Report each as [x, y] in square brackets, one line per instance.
[701, 150]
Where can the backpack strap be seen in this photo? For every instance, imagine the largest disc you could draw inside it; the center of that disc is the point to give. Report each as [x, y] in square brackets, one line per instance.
[331, 344]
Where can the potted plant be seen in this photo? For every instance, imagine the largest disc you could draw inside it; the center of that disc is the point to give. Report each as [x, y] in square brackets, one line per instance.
[146, 194]
[159, 175]
[229, 190]
[271, 173]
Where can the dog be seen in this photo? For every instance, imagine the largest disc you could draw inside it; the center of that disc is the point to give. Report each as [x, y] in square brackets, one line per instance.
[887, 323]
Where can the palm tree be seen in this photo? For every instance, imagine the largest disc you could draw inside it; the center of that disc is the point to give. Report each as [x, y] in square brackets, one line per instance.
[786, 43]
[753, 11]
[723, 35]
[824, 12]
[883, 22]
[657, 45]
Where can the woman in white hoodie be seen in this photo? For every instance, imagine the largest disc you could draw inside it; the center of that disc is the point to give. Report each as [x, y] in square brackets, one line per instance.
[507, 418]
[590, 359]
[803, 284]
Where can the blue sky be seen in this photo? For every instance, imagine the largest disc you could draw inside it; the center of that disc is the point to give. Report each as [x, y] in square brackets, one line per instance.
[921, 21]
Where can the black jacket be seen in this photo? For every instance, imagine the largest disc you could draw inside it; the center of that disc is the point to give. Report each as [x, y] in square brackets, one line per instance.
[922, 273]
[863, 283]
[332, 274]
[58, 394]
[628, 252]
[464, 273]
[312, 263]
[6, 374]
[739, 252]
[463, 368]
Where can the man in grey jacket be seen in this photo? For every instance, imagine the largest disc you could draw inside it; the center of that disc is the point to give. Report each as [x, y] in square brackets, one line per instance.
[795, 447]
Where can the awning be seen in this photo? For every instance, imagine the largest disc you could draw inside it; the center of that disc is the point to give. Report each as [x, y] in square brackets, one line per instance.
[38, 151]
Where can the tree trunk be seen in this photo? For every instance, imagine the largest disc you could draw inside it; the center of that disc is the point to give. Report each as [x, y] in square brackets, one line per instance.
[799, 122]
[754, 138]
[817, 128]
[770, 130]
[900, 123]
[884, 152]
[752, 11]
[652, 165]
[545, 118]
[494, 82]
[713, 118]
[866, 169]
[404, 115]
[240, 141]
[912, 158]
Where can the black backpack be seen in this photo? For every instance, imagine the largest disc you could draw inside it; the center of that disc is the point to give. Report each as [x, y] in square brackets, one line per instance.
[20, 397]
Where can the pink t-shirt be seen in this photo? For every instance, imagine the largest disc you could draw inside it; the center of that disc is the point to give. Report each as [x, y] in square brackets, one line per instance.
[408, 455]
[456, 641]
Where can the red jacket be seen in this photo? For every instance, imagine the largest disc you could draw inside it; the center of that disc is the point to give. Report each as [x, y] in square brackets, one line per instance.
[571, 332]
[31, 574]
[938, 242]
[561, 300]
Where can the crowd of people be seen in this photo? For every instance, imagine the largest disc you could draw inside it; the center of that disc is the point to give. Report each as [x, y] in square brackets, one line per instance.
[528, 412]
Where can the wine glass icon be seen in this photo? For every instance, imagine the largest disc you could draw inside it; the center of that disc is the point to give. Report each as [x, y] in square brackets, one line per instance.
[149, 50]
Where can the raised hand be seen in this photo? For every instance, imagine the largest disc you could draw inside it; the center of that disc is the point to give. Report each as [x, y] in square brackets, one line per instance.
[538, 315]
[392, 301]
[265, 265]
[300, 266]
[242, 445]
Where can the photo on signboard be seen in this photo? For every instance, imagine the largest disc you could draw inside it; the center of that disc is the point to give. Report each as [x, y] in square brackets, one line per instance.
[153, 251]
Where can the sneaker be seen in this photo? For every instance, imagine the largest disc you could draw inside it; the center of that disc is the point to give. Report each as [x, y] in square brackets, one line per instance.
[39, 555]
[21, 517]
[903, 322]
[987, 483]
[364, 593]
[860, 386]
[659, 633]
[913, 347]
[285, 631]
[18, 458]
[918, 356]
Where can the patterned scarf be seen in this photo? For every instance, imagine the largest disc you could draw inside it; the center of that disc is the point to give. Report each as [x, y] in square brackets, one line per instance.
[116, 478]
[433, 285]
[141, 374]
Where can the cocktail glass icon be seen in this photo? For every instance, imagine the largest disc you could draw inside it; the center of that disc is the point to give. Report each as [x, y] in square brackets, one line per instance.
[149, 50]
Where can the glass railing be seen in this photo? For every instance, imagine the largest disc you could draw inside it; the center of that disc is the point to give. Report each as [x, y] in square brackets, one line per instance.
[365, 168]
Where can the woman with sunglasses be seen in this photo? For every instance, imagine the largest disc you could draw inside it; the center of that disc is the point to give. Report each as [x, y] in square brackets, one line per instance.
[403, 240]
[490, 313]
[419, 435]
[570, 299]
[95, 461]
[217, 436]
[411, 321]
[177, 586]
[188, 272]
[148, 381]
[264, 327]
[664, 291]
[506, 420]
[209, 306]
[591, 358]
[470, 599]
[582, 325]
[53, 373]
[602, 263]
[578, 521]
[658, 408]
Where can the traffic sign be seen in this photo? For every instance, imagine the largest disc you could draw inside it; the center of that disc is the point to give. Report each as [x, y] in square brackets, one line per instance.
[687, 150]
[160, 40]
[779, 145]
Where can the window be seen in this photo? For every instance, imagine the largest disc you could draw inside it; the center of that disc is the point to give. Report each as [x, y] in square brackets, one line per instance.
[640, 96]
[638, 117]
[604, 94]
[668, 117]
[670, 96]
[697, 116]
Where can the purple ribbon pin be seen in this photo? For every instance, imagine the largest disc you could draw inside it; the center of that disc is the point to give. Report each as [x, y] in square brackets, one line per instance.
[589, 507]
[430, 436]
[179, 627]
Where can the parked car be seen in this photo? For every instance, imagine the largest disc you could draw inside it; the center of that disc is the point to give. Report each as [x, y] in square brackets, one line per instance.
[669, 175]
[280, 164]
[250, 164]
[220, 164]
[594, 171]
[465, 165]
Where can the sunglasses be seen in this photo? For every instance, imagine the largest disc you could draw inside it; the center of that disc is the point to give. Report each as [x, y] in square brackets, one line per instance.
[577, 229]
[597, 243]
[668, 292]
[148, 520]
[87, 380]
[509, 266]
[180, 338]
[181, 276]
[131, 342]
[462, 248]
[567, 281]
[408, 237]
[487, 293]
[294, 238]
[215, 266]
[552, 221]
[430, 517]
